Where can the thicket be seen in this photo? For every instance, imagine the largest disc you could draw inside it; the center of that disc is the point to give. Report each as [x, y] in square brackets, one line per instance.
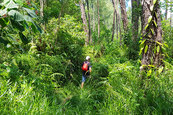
[44, 76]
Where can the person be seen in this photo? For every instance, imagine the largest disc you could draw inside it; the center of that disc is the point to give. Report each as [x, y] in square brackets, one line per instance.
[85, 74]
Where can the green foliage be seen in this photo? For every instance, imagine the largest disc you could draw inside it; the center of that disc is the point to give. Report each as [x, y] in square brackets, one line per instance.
[16, 17]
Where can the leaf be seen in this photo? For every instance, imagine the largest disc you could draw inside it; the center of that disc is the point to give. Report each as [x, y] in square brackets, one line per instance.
[152, 31]
[30, 12]
[143, 42]
[20, 2]
[141, 51]
[17, 25]
[155, 23]
[154, 2]
[17, 15]
[149, 73]
[149, 19]
[158, 49]
[4, 2]
[23, 38]
[159, 43]
[11, 4]
[166, 45]
[160, 69]
[3, 12]
[5, 42]
[27, 18]
[146, 26]
[146, 48]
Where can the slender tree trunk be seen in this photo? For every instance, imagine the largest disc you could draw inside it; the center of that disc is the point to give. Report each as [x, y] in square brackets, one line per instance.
[98, 18]
[93, 18]
[89, 21]
[83, 16]
[152, 34]
[123, 14]
[166, 11]
[135, 18]
[118, 23]
[41, 8]
[171, 15]
[113, 26]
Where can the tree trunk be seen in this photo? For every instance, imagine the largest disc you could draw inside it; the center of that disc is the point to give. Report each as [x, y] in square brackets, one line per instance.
[118, 23]
[93, 18]
[113, 26]
[41, 8]
[152, 35]
[135, 18]
[83, 16]
[89, 22]
[166, 11]
[123, 14]
[98, 18]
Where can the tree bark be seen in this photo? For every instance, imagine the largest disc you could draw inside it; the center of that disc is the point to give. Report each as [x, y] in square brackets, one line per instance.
[113, 26]
[135, 18]
[41, 8]
[89, 22]
[98, 18]
[118, 21]
[85, 26]
[123, 14]
[152, 34]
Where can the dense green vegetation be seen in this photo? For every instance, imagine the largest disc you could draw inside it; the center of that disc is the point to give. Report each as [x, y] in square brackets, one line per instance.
[40, 70]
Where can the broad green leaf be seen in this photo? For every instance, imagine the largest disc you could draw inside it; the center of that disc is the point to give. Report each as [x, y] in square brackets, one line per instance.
[146, 48]
[23, 38]
[27, 18]
[158, 49]
[17, 15]
[20, 2]
[30, 12]
[17, 25]
[149, 19]
[11, 4]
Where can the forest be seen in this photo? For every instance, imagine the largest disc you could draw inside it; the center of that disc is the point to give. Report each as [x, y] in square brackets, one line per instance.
[43, 44]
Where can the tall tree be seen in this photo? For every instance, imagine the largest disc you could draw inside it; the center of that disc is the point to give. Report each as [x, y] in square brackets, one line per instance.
[118, 21]
[113, 26]
[98, 18]
[152, 34]
[83, 16]
[135, 17]
[166, 10]
[123, 14]
[89, 22]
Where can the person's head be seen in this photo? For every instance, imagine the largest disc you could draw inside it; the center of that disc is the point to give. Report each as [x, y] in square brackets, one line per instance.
[88, 58]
